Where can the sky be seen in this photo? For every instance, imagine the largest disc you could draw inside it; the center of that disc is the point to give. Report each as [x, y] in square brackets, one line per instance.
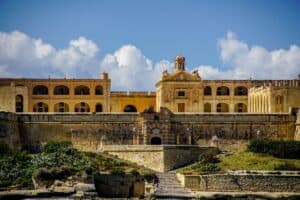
[134, 40]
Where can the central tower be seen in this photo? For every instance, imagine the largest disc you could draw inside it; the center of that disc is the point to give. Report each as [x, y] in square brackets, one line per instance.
[179, 63]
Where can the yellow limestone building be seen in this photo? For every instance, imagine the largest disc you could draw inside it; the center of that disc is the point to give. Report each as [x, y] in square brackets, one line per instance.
[179, 91]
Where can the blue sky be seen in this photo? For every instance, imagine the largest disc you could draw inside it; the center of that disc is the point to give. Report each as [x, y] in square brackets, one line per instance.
[159, 29]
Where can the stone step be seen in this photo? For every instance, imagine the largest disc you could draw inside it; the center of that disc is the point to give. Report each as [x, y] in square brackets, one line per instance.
[169, 187]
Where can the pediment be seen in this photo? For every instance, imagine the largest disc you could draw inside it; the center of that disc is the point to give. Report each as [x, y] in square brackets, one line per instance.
[181, 76]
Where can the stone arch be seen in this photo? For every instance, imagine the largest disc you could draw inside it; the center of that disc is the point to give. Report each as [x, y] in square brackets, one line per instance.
[61, 90]
[99, 107]
[82, 90]
[40, 90]
[98, 90]
[61, 107]
[222, 107]
[40, 107]
[241, 91]
[19, 103]
[82, 107]
[130, 108]
[207, 107]
[223, 91]
[240, 107]
[156, 141]
[207, 91]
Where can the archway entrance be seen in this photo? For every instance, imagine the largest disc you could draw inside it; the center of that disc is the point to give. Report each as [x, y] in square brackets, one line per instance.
[155, 141]
[130, 108]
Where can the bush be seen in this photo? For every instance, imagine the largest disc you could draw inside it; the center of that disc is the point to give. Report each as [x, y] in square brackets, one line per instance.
[208, 157]
[4, 148]
[287, 166]
[276, 148]
[118, 172]
[53, 146]
[210, 167]
[134, 172]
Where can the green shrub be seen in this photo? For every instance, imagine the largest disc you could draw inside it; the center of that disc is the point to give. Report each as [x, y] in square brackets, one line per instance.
[208, 157]
[118, 172]
[287, 166]
[276, 148]
[4, 148]
[209, 167]
[54, 146]
[134, 172]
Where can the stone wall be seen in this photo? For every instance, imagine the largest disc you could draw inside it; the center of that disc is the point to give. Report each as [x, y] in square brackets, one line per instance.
[90, 131]
[9, 130]
[87, 132]
[255, 181]
[160, 158]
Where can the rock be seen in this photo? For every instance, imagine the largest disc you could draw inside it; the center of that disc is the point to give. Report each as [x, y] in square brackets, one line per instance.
[58, 183]
[63, 189]
[85, 187]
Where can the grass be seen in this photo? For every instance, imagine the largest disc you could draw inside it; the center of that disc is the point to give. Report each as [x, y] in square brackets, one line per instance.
[246, 161]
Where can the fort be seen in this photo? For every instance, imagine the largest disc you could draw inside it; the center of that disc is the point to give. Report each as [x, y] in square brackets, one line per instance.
[161, 130]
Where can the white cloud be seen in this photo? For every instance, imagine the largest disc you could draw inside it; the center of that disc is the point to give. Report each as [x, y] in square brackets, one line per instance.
[257, 61]
[129, 69]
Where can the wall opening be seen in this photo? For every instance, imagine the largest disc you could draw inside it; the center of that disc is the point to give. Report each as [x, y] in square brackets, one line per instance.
[155, 141]
[19, 103]
[130, 108]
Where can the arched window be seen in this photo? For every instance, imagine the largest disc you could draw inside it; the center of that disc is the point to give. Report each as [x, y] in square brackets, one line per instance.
[40, 90]
[222, 107]
[207, 107]
[98, 107]
[241, 91]
[40, 107]
[207, 91]
[82, 90]
[82, 107]
[99, 90]
[181, 93]
[223, 91]
[130, 108]
[240, 107]
[19, 103]
[61, 107]
[61, 90]
[156, 141]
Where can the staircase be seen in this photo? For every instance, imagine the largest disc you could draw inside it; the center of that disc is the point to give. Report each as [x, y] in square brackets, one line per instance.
[169, 187]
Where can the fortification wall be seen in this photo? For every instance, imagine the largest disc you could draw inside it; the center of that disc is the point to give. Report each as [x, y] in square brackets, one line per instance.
[92, 131]
[88, 132]
[9, 130]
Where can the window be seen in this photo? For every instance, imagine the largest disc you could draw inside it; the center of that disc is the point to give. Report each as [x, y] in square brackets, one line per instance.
[223, 91]
[207, 107]
[207, 91]
[19, 103]
[82, 90]
[61, 90]
[98, 107]
[99, 90]
[241, 91]
[40, 107]
[61, 107]
[82, 107]
[240, 107]
[181, 93]
[222, 107]
[40, 90]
